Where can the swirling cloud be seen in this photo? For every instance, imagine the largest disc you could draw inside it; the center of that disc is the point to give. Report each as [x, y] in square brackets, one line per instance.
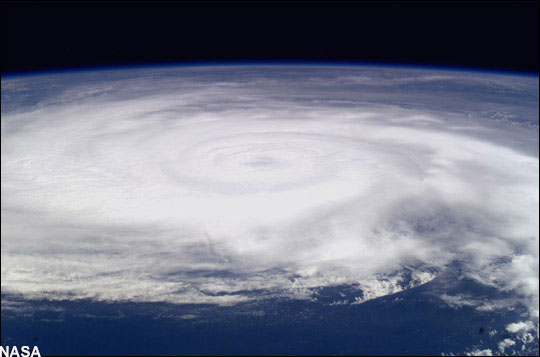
[225, 184]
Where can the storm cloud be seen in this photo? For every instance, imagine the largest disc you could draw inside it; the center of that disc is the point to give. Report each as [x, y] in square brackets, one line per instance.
[223, 184]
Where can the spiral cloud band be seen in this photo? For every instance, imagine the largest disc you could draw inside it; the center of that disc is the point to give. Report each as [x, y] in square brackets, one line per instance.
[224, 184]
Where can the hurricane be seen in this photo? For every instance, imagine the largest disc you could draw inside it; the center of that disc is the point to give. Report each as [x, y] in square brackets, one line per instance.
[222, 185]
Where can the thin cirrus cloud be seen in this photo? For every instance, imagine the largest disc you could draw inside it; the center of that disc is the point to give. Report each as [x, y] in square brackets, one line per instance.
[216, 184]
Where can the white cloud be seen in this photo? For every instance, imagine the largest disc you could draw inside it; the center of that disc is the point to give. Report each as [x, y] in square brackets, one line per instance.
[486, 352]
[521, 326]
[177, 186]
[524, 331]
[504, 344]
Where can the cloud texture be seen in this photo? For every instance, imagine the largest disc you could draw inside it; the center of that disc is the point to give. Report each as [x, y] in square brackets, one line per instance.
[225, 184]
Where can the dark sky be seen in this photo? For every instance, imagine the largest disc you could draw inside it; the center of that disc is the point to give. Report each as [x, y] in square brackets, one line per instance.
[496, 35]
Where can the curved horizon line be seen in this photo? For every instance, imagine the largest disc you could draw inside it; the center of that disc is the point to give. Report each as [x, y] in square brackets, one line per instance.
[268, 62]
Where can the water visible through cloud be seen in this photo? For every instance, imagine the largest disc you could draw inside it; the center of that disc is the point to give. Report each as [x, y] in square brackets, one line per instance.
[231, 183]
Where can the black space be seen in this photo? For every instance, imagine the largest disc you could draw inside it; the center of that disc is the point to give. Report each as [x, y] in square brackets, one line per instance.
[488, 35]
